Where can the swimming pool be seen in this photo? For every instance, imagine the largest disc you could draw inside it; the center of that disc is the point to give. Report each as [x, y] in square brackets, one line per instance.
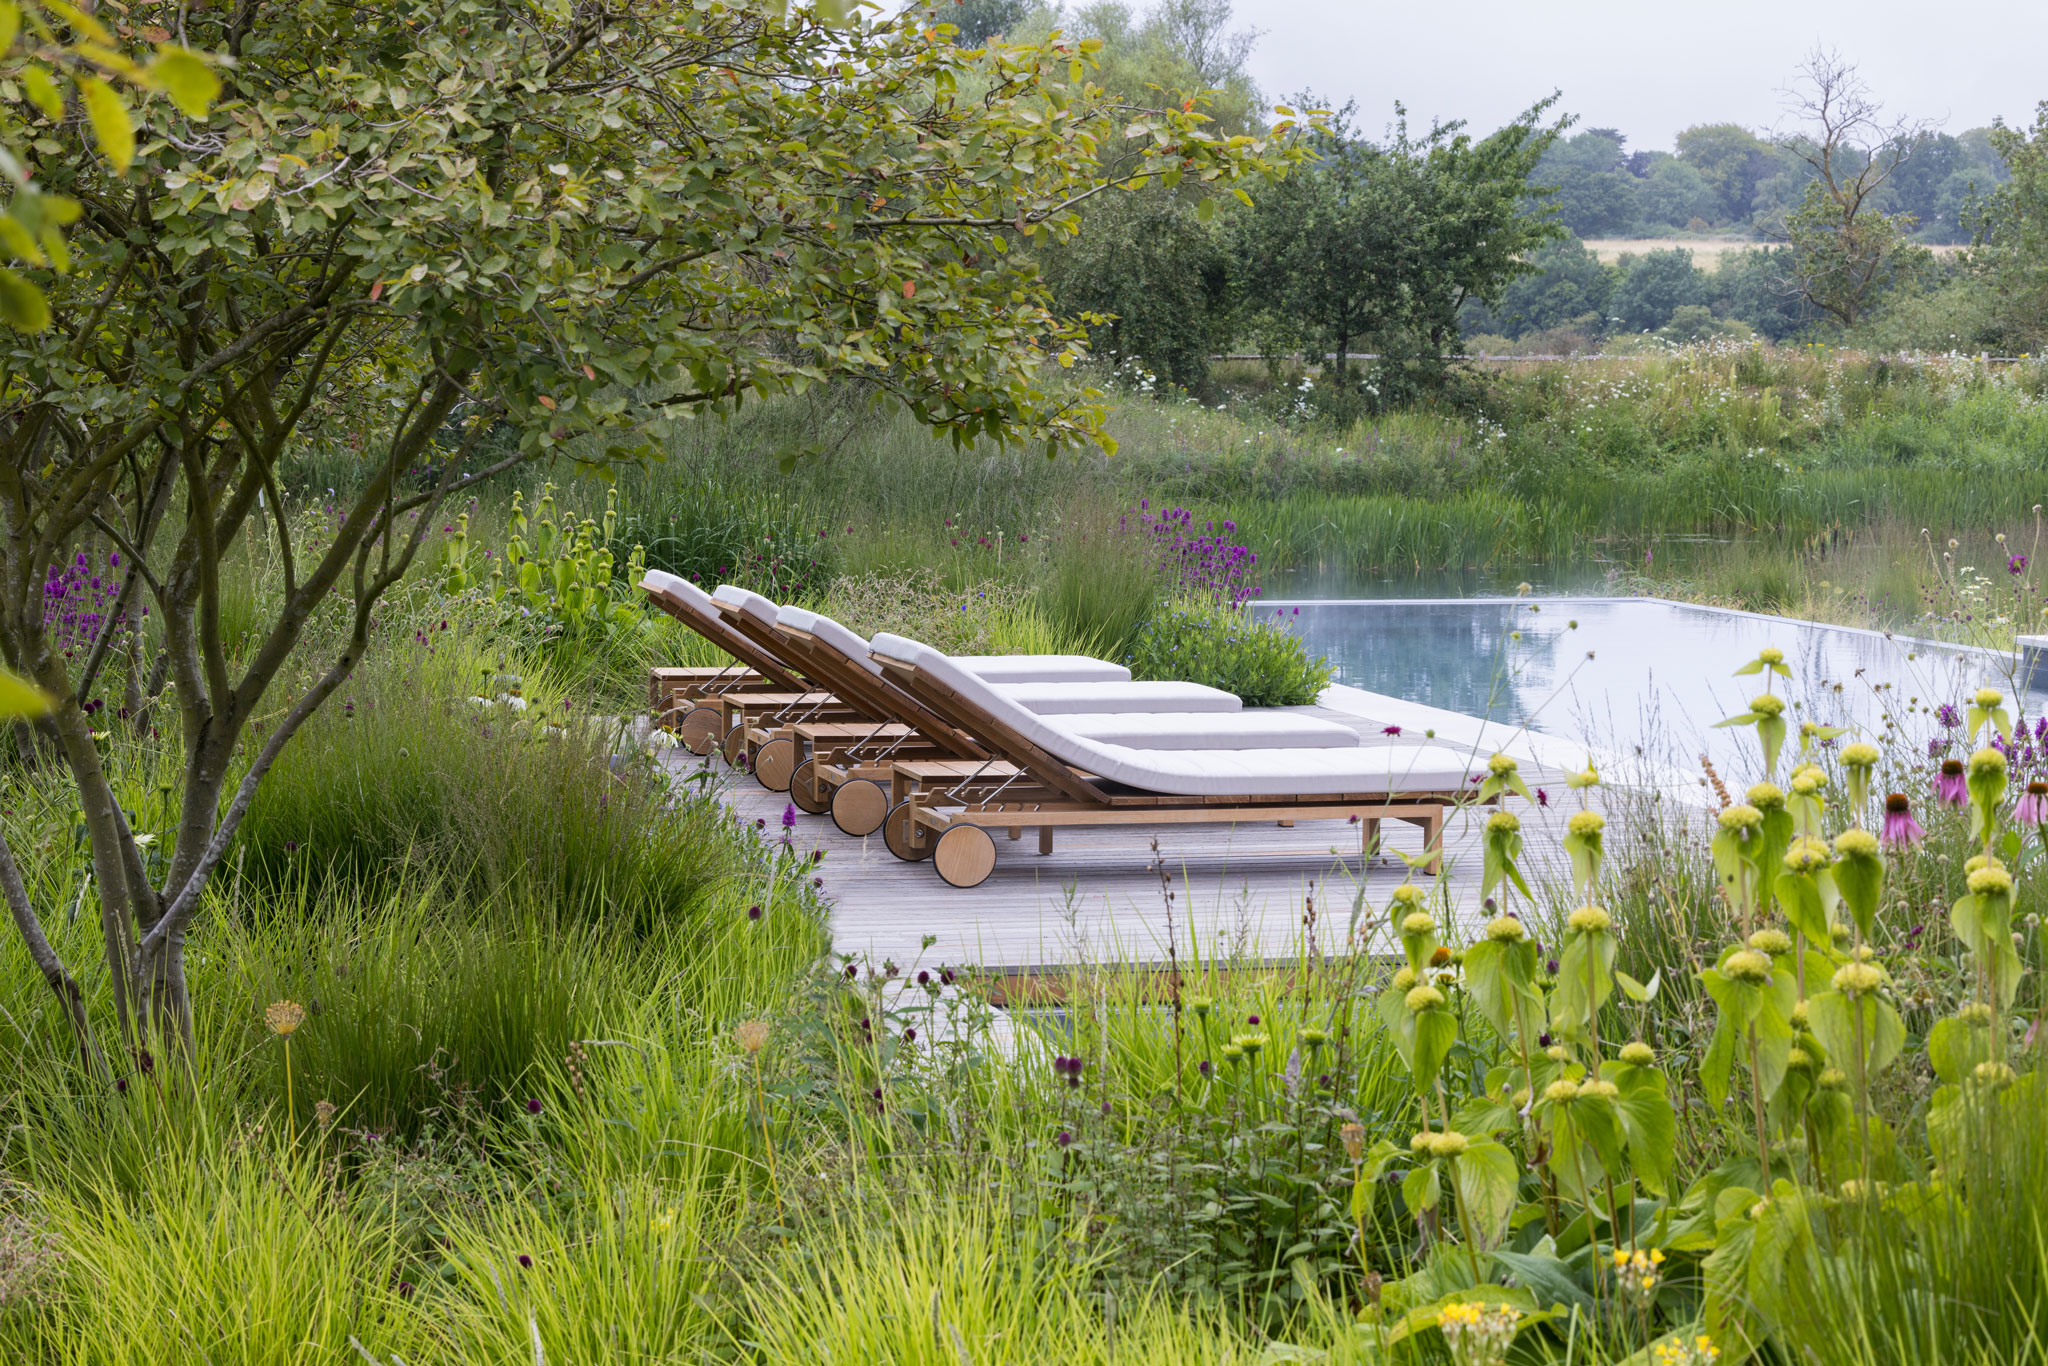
[1634, 675]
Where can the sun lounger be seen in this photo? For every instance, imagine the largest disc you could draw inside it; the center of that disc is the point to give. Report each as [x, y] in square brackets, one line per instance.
[831, 769]
[703, 710]
[1047, 777]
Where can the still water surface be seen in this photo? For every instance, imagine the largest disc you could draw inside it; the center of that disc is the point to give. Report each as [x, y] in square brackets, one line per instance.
[1634, 675]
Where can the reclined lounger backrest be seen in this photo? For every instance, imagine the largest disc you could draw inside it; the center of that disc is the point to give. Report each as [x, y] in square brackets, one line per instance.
[692, 606]
[843, 658]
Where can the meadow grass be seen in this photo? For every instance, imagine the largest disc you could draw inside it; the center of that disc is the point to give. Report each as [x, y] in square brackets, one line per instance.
[600, 1091]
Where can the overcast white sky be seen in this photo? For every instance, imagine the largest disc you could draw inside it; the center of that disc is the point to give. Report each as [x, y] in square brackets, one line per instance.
[1648, 69]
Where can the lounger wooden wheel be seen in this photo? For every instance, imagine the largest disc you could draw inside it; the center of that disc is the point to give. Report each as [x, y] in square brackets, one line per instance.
[860, 807]
[965, 856]
[896, 831]
[774, 762]
[697, 730]
[735, 746]
[803, 789]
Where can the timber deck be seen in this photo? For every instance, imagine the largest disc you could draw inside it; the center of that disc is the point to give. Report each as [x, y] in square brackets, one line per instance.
[1102, 896]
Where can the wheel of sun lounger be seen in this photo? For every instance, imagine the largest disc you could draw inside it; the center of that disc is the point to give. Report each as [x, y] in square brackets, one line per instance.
[697, 729]
[734, 746]
[896, 835]
[965, 856]
[801, 791]
[774, 761]
[860, 807]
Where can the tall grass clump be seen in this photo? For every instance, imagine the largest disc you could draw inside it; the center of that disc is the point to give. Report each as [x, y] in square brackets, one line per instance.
[448, 758]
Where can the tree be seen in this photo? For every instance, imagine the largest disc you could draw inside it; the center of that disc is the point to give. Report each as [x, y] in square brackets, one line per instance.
[1567, 287]
[1383, 243]
[1146, 260]
[574, 223]
[2011, 254]
[1592, 187]
[1846, 249]
[1674, 194]
[1156, 276]
[1731, 159]
[1651, 287]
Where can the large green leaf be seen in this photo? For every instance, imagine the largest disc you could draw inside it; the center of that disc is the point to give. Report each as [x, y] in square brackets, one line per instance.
[1489, 1181]
[1853, 1026]
[1435, 1032]
[19, 698]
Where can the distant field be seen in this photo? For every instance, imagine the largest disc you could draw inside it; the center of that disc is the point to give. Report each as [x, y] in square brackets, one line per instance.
[1706, 251]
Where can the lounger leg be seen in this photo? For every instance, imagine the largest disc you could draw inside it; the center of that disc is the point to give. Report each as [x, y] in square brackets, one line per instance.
[1286, 825]
[1368, 836]
[1016, 832]
[1045, 839]
[1433, 839]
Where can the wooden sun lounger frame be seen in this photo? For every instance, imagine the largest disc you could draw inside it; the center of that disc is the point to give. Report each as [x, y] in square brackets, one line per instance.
[944, 810]
[848, 775]
[703, 706]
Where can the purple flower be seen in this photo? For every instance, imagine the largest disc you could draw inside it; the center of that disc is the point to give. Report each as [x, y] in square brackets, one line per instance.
[1390, 730]
[525, 1261]
[2016, 564]
[1064, 1139]
[1950, 786]
[1901, 831]
[789, 816]
[1205, 1067]
[1542, 797]
[753, 912]
[1948, 715]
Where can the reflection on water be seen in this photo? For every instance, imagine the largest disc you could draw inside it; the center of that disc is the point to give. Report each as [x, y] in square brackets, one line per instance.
[1632, 674]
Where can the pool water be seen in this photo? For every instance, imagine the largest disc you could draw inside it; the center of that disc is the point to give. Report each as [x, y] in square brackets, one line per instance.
[1639, 676]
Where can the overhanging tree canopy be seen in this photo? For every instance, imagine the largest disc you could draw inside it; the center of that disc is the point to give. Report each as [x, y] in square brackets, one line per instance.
[579, 218]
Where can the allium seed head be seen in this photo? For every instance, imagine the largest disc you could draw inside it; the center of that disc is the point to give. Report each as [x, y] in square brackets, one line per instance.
[1988, 698]
[1418, 922]
[1586, 823]
[1589, 920]
[1857, 979]
[1856, 843]
[1861, 754]
[1562, 1089]
[1773, 942]
[1502, 822]
[1638, 1054]
[1765, 797]
[1767, 704]
[1505, 929]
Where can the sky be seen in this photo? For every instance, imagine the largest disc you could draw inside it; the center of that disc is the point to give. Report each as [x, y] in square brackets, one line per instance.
[1647, 68]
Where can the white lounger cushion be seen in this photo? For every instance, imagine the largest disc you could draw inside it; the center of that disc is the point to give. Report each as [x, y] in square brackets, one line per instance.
[1209, 730]
[1043, 669]
[993, 668]
[659, 581]
[747, 600]
[1055, 699]
[1203, 772]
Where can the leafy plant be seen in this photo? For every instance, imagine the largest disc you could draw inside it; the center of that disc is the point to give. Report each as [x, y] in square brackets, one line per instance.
[1230, 648]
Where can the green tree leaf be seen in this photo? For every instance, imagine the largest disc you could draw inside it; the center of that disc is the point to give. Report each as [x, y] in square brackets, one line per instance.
[111, 126]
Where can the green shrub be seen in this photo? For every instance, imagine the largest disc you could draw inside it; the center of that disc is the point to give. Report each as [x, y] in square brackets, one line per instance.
[1232, 649]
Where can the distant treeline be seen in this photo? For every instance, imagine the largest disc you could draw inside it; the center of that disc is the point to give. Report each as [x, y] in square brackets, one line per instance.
[1413, 244]
[1725, 177]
